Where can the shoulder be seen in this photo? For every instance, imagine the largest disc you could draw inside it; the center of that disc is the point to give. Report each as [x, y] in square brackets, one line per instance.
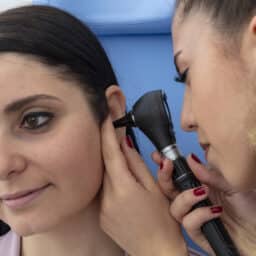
[10, 244]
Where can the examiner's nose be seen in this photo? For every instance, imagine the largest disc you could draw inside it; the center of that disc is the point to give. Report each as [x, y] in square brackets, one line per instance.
[188, 122]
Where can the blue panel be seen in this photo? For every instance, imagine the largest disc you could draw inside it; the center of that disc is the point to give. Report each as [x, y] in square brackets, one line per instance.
[110, 17]
[144, 63]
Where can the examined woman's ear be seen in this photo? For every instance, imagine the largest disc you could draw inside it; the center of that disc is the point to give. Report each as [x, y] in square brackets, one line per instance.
[116, 101]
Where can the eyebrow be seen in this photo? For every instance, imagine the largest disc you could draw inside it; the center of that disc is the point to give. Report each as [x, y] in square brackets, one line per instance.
[176, 61]
[20, 103]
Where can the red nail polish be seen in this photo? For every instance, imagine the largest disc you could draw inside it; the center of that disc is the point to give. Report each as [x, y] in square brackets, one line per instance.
[195, 158]
[161, 165]
[216, 209]
[129, 141]
[199, 191]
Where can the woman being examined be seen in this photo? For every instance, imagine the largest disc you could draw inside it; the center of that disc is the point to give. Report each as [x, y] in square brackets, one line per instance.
[57, 88]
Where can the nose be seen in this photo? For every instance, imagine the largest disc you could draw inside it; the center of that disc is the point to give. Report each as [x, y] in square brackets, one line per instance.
[11, 162]
[188, 122]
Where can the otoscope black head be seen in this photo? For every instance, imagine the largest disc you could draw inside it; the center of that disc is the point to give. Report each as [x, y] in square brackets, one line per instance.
[152, 116]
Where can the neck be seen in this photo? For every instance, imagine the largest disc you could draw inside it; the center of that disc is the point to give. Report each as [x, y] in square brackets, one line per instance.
[79, 236]
[242, 223]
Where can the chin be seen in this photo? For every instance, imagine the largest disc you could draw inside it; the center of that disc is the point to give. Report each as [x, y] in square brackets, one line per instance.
[244, 187]
[241, 184]
[23, 229]
[28, 227]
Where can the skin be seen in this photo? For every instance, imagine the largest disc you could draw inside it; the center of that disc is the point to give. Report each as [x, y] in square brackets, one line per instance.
[130, 190]
[214, 93]
[52, 154]
[216, 105]
[219, 105]
[220, 110]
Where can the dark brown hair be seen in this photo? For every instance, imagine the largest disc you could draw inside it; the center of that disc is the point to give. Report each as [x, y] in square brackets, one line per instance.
[229, 16]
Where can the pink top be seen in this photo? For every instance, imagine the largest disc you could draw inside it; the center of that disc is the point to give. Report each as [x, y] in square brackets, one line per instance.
[10, 245]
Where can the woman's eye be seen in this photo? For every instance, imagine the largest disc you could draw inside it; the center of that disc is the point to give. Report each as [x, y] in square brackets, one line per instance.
[183, 77]
[36, 120]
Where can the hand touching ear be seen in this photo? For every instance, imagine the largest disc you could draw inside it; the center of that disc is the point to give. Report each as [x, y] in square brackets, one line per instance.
[134, 212]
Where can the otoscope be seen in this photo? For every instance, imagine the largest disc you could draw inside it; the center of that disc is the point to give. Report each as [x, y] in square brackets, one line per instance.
[152, 116]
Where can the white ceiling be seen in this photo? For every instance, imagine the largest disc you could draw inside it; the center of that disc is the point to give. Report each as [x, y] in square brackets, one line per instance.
[6, 4]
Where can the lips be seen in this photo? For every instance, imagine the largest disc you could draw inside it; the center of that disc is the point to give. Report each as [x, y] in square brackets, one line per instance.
[205, 146]
[21, 193]
[22, 199]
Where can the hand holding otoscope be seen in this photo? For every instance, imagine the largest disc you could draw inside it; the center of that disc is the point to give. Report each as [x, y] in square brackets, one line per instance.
[152, 116]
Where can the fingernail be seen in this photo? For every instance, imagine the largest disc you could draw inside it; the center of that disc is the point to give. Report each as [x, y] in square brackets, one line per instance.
[195, 158]
[216, 209]
[129, 141]
[199, 191]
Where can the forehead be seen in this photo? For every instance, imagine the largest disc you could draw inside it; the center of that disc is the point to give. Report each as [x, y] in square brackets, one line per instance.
[22, 75]
[190, 32]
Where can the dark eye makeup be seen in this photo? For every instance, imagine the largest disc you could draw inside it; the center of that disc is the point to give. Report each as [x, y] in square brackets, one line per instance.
[36, 120]
[182, 78]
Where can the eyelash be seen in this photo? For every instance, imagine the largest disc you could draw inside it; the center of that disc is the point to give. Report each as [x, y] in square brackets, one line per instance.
[36, 115]
[182, 78]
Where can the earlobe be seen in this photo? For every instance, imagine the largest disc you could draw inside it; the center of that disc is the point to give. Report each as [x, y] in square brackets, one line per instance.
[116, 101]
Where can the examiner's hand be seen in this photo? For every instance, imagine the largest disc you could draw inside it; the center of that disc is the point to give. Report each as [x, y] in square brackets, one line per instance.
[237, 210]
[134, 212]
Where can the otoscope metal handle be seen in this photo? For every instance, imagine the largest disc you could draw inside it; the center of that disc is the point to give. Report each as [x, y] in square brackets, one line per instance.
[214, 230]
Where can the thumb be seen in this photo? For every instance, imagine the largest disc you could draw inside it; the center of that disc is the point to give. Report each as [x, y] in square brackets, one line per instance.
[115, 163]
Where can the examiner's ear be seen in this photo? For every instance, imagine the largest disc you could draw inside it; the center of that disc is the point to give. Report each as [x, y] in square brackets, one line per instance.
[117, 105]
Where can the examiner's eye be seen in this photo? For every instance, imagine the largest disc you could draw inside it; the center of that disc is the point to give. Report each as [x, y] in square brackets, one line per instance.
[182, 78]
[36, 120]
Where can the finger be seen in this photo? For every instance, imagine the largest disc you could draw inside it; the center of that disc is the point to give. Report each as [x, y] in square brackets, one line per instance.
[193, 222]
[137, 166]
[184, 202]
[157, 157]
[114, 160]
[164, 175]
[212, 178]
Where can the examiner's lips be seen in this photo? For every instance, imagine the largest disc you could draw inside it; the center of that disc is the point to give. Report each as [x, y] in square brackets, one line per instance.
[19, 199]
[205, 147]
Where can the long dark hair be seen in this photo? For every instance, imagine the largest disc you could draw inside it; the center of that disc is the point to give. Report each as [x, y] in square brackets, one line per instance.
[61, 41]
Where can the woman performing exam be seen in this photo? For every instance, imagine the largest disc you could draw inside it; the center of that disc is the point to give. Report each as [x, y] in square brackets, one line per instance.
[214, 44]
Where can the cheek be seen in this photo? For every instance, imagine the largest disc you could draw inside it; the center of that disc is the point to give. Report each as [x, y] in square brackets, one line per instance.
[239, 167]
[75, 158]
[223, 122]
[72, 162]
